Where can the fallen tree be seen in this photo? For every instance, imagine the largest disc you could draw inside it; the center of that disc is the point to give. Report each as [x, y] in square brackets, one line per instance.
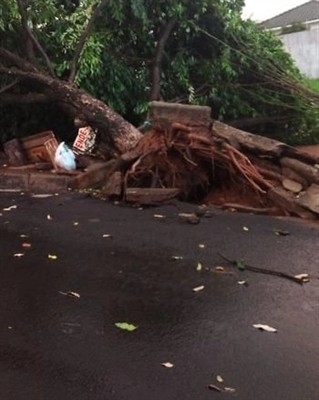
[31, 78]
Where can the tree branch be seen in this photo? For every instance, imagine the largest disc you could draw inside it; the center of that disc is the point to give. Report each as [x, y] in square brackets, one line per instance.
[16, 60]
[9, 86]
[37, 45]
[156, 70]
[83, 38]
[263, 270]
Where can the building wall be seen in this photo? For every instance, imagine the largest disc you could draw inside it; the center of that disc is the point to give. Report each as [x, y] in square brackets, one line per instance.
[304, 49]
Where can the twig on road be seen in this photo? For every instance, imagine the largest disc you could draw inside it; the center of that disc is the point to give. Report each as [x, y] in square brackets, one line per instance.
[264, 271]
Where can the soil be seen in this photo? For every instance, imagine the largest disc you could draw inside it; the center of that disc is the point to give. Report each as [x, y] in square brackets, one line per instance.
[314, 149]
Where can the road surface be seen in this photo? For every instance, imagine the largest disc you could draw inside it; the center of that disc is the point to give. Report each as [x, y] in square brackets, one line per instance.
[57, 347]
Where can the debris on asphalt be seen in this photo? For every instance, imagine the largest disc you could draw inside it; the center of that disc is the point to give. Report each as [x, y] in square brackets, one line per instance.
[49, 218]
[106, 235]
[304, 277]
[245, 229]
[193, 220]
[10, 208]
[167, 365]
[216, 388]
[199, 267]
[26, 245]
[70, 294]
[41, 196]
[242, 267]
[159, 216]
[125, 326]
[229, 390]
[18, 255]
[219, 269]
[219, 379]
[198, 288]
[280, 232]
[201, 246]
[243, 283]
[177, 258]
[52, 256]
[265, 328]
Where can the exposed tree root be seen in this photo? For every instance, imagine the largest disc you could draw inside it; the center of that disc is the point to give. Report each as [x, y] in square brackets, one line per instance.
[189, 159]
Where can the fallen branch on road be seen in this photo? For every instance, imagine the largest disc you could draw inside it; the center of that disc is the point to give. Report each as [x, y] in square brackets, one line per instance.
[263, 270]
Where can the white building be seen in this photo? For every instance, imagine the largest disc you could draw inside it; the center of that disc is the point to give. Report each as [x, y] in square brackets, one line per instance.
[303, 45]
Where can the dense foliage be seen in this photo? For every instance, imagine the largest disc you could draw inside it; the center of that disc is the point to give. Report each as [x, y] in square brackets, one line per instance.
[211, 56]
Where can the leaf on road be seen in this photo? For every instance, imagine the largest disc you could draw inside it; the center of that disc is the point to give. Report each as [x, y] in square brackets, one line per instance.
[42, 196]
[198, 288]
[75, 223]
[241, 265]
[229, 390]
[176, 258]
[304, 277]
[279, 232]
[159, 216]
[214, 387]
[49, 217]
[219, 379]
[186, 215]
[18, 255]
[52, 256]
[201, 246]
[265, 328]
[199, 267]
[245, 229]
[26, 245]
[219, 269]
[168, 365]
[243, 283]
[23, 236]
[10, 208]
[125, 326]
[107, 235]
[70, 294]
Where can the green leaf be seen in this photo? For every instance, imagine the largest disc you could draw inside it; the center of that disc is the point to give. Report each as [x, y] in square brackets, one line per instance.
[199, 267]
[241, 265]
[125, 326]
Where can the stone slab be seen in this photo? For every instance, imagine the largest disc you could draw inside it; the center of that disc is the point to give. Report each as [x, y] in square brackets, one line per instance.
[310, 199]
[162, 114]
[287, 201]
[309, 172]
[291, 185]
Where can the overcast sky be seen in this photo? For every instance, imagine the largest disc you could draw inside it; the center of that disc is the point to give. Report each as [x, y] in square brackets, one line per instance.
[261, 10]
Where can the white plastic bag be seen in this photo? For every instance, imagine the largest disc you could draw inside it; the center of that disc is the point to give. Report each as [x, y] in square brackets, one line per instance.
[64, 157]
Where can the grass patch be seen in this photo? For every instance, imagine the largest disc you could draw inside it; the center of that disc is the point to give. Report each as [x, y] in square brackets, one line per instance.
[313, 84]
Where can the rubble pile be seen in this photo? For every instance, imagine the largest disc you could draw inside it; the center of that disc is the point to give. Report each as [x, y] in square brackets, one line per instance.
[185, 154]
[198, 157]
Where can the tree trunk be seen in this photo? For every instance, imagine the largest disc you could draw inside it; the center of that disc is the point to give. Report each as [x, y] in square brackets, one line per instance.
[115, 134]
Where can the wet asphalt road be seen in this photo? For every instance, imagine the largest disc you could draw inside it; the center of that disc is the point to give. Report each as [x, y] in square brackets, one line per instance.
[54, 347]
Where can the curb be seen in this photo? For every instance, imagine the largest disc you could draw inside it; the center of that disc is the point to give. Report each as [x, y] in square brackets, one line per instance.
[35, 182]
